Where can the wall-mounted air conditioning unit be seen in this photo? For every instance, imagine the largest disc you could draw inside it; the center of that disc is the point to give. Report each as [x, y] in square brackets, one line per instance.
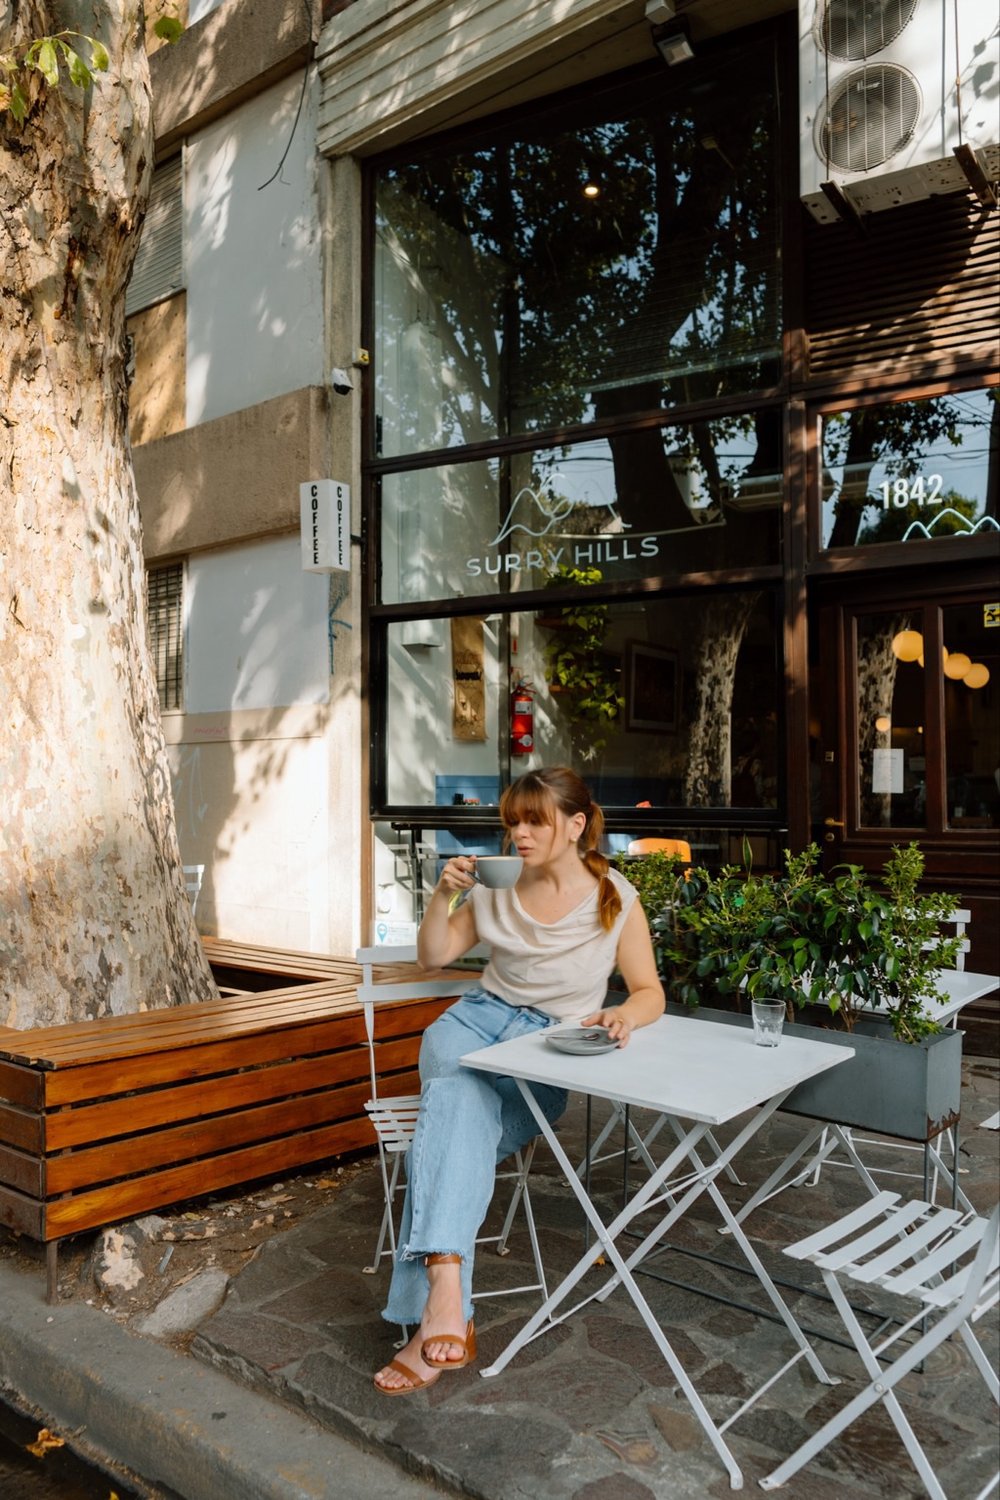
[888, 89]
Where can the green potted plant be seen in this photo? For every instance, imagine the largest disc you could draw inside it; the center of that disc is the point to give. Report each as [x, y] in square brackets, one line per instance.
[841, 941]
[859, 957]
[578, 667]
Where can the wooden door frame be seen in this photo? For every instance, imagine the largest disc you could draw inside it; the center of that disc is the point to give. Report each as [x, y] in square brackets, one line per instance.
[969, 852]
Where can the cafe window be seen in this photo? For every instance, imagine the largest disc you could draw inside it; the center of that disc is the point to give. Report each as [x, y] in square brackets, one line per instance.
[665, 702]
[703, 495]
[577, 362]
[915, 667]
[909, 471]
[970, 678]
[620, 257]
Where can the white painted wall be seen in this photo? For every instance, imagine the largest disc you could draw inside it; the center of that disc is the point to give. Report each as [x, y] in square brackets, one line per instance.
[253, 255]
[255, 812]
[251, 777]
[256, 629]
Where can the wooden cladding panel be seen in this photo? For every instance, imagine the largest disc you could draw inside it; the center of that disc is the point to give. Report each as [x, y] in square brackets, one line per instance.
[21, 1086]
[23, 1173]
[918, 287]
[71, 1171]
[23, 1214]
[177, 1026]
[66, 1128]
[121, 1200]
[23, 1128]
[105, 1119]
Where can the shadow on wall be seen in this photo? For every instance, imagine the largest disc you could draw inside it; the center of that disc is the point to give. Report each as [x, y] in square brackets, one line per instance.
[250, 756]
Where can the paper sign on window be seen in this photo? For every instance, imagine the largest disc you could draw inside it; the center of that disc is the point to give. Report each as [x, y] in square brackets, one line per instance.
[887, 771]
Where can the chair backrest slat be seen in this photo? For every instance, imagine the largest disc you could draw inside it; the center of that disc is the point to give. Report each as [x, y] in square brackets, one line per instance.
[371, 993]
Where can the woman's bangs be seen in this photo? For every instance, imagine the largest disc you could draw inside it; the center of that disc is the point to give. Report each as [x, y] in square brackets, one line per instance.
[527, 804]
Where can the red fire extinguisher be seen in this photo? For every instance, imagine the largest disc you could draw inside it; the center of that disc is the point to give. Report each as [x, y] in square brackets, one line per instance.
[522, 720]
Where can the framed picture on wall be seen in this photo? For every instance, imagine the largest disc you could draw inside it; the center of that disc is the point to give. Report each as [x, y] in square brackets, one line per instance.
[652, 687]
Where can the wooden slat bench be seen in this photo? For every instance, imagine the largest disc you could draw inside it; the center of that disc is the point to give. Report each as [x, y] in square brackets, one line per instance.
[102, 1120]
[249, 966]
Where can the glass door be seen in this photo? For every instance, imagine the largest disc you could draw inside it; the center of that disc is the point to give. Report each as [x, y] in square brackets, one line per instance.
[911, 743]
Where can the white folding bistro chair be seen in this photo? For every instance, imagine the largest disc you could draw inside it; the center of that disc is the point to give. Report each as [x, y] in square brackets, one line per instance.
[394, 1118]
[193, 877]
[943, 1263]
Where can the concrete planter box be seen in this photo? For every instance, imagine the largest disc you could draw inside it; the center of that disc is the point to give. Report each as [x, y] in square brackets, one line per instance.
[907, 1089]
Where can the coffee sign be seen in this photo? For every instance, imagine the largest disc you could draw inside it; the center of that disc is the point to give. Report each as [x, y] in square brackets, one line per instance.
[325, 513]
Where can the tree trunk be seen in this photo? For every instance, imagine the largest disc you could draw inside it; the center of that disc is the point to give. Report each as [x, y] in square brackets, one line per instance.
[95, 918]
[877, 667]
[708, 781]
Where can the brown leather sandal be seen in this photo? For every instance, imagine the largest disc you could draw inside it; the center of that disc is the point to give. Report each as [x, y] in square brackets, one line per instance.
[466, 1344]
[415, 1383]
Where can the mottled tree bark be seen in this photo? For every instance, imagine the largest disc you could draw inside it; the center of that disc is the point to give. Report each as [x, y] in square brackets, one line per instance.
[93, 914]
[708, 781]
[876, 686]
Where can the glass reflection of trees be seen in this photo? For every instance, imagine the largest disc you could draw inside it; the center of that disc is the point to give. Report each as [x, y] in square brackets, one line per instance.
[912, 469]
[548, 308]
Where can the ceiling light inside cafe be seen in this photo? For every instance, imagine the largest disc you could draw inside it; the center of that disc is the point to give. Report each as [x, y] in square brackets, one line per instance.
[957, 665]
[908, 645]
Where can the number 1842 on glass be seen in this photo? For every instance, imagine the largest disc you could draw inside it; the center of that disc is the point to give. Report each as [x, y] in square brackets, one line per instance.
[898, 494]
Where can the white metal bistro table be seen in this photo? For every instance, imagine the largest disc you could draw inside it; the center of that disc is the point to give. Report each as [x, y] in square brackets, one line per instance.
[698, 1075]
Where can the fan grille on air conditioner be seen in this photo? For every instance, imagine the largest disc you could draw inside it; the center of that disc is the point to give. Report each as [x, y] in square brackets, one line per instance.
[871, 115]
[852, 30]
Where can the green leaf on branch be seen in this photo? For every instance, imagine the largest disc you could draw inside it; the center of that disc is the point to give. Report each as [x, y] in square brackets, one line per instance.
[47, 63]
[44, 56]
[79, 73]
[18, 103]
[168, 29]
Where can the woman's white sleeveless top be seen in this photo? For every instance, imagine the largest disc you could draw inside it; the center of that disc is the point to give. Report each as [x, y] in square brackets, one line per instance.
[561, 968]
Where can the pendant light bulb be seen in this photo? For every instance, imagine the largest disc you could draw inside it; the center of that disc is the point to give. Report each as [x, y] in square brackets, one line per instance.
[908, 645]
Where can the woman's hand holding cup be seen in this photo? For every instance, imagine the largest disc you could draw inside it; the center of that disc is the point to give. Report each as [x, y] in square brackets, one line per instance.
[459, 874]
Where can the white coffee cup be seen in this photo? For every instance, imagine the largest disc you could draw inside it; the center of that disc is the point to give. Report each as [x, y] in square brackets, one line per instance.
[498, 870]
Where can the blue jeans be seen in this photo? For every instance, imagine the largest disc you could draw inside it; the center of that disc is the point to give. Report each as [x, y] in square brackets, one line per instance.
[468, 1122]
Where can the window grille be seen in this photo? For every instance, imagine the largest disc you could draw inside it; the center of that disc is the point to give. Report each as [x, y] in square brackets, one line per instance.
[159, 263]
[164, 594]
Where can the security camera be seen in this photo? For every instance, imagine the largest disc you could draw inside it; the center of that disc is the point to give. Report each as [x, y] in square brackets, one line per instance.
[341, 382]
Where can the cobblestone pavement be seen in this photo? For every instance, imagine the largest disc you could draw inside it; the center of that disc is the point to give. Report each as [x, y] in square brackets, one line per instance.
[267, 1286]
[590, 1411]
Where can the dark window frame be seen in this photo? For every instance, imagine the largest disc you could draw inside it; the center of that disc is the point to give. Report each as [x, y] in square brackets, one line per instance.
[581, 105]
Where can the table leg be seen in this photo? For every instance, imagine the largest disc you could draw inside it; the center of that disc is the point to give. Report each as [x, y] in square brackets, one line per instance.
[705, 1182]
[542, 1320]
[777, 1182]
[52, 1271]
[949, 1176]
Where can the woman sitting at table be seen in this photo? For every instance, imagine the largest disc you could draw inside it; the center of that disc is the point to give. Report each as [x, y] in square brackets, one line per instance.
[555, 939]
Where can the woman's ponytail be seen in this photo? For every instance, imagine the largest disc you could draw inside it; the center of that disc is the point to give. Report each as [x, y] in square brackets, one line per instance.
[609, 903]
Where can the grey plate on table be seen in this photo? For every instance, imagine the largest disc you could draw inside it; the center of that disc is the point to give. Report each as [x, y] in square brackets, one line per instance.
[581, 1040]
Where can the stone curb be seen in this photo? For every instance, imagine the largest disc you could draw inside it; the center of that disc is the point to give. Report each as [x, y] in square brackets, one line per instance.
[171, 1420]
